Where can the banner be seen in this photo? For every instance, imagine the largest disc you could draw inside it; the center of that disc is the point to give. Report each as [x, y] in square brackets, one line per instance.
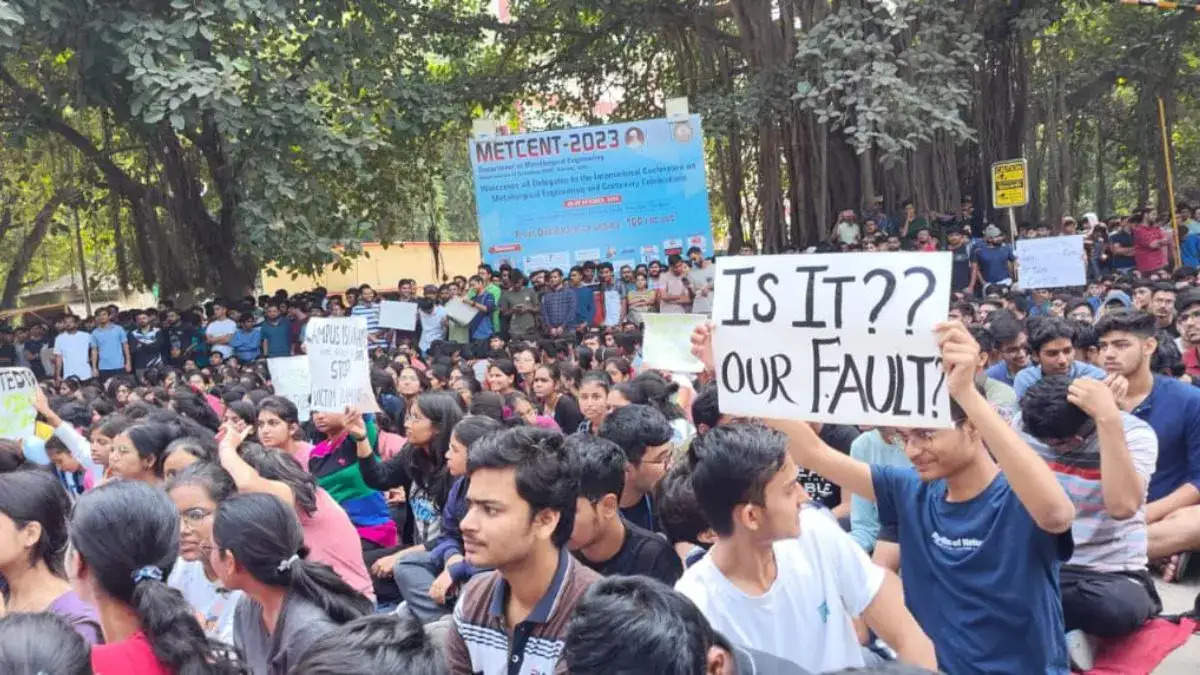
[1051, 262]
[337, 362]
[17, 391]
[398, 314]
[622, 193]
[291, 380]
[667, 342]
[843, 338]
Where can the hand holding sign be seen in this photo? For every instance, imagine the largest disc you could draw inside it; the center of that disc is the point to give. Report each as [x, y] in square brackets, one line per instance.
[960, 357]
[18, 392]
[844, 338]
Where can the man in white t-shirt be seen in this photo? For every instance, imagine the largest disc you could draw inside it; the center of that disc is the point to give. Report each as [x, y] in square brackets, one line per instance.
[71, 349]
[783, 579]
[220, 330]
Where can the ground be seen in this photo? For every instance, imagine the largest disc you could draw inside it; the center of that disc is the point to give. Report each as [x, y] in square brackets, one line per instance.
[1179, 598]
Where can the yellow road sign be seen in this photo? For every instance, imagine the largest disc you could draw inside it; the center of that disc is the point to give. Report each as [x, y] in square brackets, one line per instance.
[1010, 184]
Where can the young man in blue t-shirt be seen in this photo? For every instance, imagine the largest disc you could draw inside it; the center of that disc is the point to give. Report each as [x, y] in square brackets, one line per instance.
[992, 264]
[981, 540]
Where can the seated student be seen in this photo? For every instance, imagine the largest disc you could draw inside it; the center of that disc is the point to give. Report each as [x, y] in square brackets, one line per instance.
[1013, 345]
[680, 516]
[982, 542]
[602, 539]
[1052, 341]
[634, 625]
[773, 562]
[520, 512]
[373, 645]
[1172, 409]
[258, 548]
[1103, 458]
[882, 446]
[41, 642]
[645, 435]
[996, 392]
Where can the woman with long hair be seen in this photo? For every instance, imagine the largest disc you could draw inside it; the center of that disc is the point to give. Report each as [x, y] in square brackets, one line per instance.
[240, 414]
[186, 451]
[197, 491]
[328, 532]
[593, 400]
[564, 409]
[426, 579]
[618, 368]
[279, 428]
[383, 385]
[410, 383]
[652, 389]
[258, 548]
[502, 376]
[524, 358]
[419, 468]
[42, 643]
[125, 538]
[33, 541]
[138, 452]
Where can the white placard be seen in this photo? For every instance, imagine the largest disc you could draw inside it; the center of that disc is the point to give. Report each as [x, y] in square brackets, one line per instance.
[1051, 262]
[398, 314]
[337, 362]
[17, 391]
[290, 377]
[667, 343]
[840, 337]
[460, 311]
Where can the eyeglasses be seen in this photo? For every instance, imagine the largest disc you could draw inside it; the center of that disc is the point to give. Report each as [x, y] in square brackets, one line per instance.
[194, 516]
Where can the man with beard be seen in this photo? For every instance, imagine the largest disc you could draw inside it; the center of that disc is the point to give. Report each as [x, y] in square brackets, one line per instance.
[1188, 320]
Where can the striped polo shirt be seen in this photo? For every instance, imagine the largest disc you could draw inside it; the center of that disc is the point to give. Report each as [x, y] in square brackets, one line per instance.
[483, 643]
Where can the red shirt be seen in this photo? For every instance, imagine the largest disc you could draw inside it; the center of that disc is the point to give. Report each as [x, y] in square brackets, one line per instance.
[1191, 361]
[1145, 256]
[134, 656]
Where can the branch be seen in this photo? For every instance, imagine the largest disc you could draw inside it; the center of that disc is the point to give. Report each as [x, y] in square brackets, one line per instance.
[41, 224]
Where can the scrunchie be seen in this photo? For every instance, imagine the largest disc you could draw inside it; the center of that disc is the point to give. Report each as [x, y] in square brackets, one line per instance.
[148, 572]
[287, 564]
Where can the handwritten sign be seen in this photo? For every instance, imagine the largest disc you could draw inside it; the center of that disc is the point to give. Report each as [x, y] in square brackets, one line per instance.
[398, 314]
[337, 362]
[1051, 262]
[290, 377]
[460, 311]
[840, 337]
[17, 416]
[667, 345]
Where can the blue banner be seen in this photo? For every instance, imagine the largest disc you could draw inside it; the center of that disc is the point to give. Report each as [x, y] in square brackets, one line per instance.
[622, 193]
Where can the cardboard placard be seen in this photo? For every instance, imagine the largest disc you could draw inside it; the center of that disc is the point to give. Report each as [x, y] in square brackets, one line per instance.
[398, 314]
[840, 338]
[290, 377]
[339, 371]
[18, 388]
[1051, 262]
[666, 342]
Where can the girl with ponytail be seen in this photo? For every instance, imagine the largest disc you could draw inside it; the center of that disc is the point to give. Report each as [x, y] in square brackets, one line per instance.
[125, 537]
[258, 548]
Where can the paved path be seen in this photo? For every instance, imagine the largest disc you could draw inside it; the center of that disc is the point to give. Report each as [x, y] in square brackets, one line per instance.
[1179, 598]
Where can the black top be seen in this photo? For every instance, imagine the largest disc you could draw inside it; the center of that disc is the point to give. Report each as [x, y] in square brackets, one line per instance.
[1121, 262]
[643, 552]
[839, 437]
[642, 514]
[567, 415]
[753, 662]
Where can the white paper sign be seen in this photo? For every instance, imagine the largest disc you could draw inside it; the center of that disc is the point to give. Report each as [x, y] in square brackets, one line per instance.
[460, 311]
[1051, 262]
[337, 362]
[667, 342]
[290, 377]
[17, 415]
[398, 314]
[840, 337]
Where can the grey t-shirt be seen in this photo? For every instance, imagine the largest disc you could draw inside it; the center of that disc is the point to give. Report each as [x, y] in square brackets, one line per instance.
[300, 623]
[754, 662]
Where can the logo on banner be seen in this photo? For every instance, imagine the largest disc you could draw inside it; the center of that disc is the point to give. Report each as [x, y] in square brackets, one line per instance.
[672, 246]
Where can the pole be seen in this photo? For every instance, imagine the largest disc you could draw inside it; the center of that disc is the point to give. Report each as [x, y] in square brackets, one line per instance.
[1012, 225]
[1162, 125]
[87, 294]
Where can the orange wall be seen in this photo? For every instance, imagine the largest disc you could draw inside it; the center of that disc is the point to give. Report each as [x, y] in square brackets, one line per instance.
[383, 268]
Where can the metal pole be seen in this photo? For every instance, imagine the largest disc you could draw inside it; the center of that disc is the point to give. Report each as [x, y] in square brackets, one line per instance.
[87, 293]
[1012, 225]
[1162, 125]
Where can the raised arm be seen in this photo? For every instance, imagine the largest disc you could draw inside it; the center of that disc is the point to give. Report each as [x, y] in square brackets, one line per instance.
[245, 476]
[1030, 478]
[1121, 486]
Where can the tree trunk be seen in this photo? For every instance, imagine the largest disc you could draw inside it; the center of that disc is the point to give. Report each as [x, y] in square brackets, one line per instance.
[1101, 181]
[20, 263]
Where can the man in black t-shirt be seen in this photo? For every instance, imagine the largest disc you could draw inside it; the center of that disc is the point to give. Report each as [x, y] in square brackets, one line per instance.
[1120, 248]
[8, 353]
[960, 267]
[839, 437]
[644, 434]
[601, 538]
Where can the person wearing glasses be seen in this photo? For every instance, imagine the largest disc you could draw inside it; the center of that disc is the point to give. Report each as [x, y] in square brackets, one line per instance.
[984, 524]
[1104, 459]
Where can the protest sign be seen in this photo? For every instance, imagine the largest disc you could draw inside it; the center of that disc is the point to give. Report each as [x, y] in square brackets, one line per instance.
[666, 342]
[629, 192]
[460, 311]
[838, 337]
[17, 416]
[290, 377]
[398, 314]
[1051, 262]
[337, 363]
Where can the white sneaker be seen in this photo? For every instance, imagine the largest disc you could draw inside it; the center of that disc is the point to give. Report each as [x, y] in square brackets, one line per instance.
[1081, 647]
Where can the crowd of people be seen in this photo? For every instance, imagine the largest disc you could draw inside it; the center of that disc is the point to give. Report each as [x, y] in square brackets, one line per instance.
[532, 498]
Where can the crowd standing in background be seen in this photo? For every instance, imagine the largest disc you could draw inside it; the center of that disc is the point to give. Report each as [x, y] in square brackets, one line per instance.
[531, 498]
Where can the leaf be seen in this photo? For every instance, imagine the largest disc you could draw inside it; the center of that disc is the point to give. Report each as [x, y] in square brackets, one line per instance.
[177, 121]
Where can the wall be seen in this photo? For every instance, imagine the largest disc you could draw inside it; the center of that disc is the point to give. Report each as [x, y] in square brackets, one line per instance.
[383, 268]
